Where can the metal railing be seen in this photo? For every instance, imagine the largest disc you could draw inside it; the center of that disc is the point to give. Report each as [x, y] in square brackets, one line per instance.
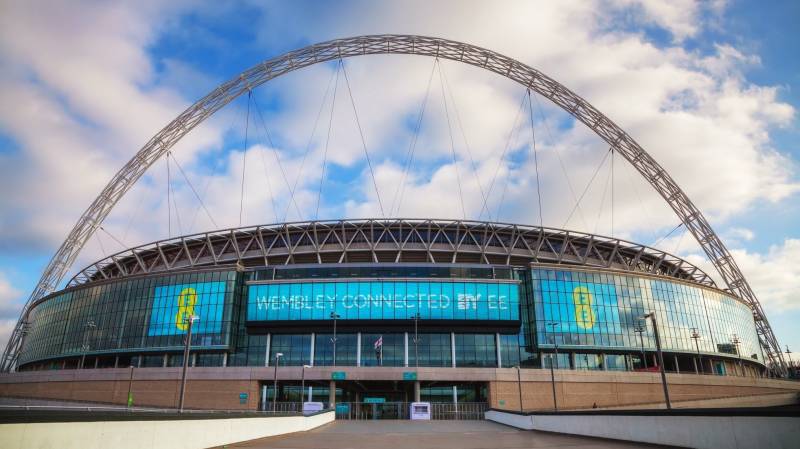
[400, 410]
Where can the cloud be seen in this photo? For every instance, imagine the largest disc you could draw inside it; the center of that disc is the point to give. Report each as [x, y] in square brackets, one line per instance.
[774, 275]
[10, 306]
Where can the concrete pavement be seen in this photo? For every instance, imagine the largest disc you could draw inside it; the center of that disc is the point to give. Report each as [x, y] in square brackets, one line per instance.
[389, 434]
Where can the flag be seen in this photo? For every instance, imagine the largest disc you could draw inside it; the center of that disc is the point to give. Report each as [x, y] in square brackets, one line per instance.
[379, 350]
[379, 342]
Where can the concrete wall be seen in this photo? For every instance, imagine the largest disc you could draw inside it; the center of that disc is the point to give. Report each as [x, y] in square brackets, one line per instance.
[184, 434]
[743, 432]
[219, 388]
[586, 389]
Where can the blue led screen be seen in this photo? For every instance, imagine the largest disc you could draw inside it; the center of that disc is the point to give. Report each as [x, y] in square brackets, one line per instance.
[385, 300]
[173, 304]
[580, 307]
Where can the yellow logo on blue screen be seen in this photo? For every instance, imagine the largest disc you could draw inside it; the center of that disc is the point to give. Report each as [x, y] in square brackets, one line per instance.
[187, 299]
[584, 313]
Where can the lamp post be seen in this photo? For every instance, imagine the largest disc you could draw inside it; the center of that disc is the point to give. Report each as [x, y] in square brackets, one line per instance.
[735, 340]
[696, 336]
[789, 354]
[186, 347]
[553, 324]
[519, 385]
[85, 347]
[335, 316]
[652, 317]
[639, 329]
[416, 340]
[303, 385]
[278, 356]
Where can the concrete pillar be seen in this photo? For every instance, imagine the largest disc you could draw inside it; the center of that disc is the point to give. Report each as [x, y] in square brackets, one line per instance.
[696, 370]
[416, 391]
[266, 354]
[677, 366]
[332, 393]
[313, 342]
[497, 350]
[453, 348]
[358, 349]
[405, 349]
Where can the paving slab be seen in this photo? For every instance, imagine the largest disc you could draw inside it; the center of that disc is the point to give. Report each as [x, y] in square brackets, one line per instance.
[389, 434]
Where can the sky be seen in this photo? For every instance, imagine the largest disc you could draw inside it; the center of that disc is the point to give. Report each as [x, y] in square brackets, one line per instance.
[710, 89]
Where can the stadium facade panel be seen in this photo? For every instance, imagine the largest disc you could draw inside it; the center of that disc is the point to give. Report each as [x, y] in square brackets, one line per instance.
[394, 294]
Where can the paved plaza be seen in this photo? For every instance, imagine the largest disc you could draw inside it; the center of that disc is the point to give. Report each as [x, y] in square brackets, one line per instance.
[428, 435]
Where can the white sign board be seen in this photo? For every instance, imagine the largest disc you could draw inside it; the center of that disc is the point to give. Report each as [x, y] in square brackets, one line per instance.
[420, 410]
[312, 407]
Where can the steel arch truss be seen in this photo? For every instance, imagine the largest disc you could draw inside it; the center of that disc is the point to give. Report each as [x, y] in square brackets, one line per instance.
[527, 76]
[390, 241]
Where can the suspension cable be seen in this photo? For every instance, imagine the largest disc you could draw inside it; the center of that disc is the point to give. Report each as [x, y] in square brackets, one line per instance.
[602, 200]
[452, 146]
[535, 158]
[277, 158]
[473, 165]
[327, 138]
[118, 241]
[363, 140]
[310, 141]
[612, 191]
[244, 156]
[655, 245]
[169, 203]
[515, 132]
[196, 195]
[560, 161]
[485, 206]
[177, 212]
[398, 193]
[588, 185]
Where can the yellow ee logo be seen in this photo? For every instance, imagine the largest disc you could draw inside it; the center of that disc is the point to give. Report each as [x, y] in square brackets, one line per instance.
[584, 313]
[186, 302]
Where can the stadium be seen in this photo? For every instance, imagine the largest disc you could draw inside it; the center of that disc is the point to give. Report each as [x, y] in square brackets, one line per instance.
[370, 314]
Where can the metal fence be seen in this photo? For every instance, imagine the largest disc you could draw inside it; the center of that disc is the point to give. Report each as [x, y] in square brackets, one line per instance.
[400, 410]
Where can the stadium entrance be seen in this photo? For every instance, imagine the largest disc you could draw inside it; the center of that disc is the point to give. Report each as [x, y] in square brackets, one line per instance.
[372, 400]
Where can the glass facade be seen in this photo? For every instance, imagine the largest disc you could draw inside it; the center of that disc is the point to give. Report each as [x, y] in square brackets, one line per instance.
[580, 309]
[131, 315]
[504, 317]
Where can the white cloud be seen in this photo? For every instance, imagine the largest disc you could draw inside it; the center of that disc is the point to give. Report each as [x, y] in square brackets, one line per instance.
[10, 305]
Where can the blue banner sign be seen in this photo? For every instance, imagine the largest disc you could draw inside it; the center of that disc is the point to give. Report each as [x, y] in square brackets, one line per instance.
[580, 307]
[383, 300]
[173, 305]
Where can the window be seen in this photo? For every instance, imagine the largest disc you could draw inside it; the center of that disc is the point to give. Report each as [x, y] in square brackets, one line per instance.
[477, 350]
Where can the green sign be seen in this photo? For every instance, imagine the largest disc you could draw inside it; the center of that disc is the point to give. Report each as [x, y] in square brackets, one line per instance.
[243, 398]
[409, 375]
[374, 400]
[342, 408]
[338, 375]
[502, 402]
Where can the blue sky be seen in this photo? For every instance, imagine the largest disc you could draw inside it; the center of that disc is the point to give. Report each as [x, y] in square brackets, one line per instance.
[710, 89]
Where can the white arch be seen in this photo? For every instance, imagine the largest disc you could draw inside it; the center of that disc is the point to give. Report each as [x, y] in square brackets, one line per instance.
[529, 77]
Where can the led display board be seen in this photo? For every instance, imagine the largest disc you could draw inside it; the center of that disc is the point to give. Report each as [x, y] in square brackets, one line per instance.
[580, 307]
[383, 300]
[174, 304]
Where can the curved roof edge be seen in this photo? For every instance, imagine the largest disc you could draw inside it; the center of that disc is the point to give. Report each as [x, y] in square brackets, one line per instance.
[389, 241]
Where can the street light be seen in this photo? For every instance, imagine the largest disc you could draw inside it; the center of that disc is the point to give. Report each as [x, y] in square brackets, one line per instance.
[335, 317]
[275, 383]
[416, 340]
[696, 336]
[303, 386]
[85, 347]
[639, 329]
[735, 340]
[553, 324]
[652, 317]
[519, 385]
[789, 354]
[186, 347]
